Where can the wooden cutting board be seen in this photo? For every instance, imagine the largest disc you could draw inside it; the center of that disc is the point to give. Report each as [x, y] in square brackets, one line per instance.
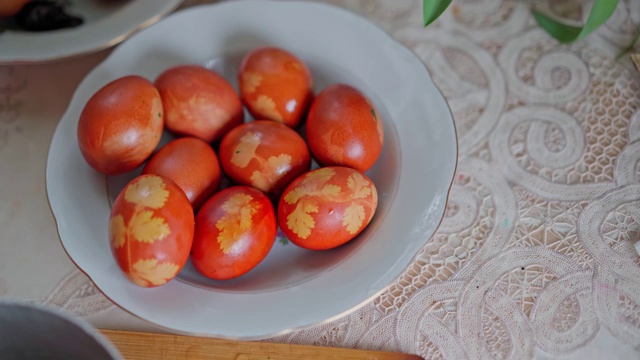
[148, 346]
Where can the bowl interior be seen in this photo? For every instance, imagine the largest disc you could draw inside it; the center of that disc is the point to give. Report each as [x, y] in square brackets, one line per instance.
[292, 288]
[288, 265]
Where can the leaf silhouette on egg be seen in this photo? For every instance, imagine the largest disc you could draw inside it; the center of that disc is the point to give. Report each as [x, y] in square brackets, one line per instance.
[250, 81]
[266, 107]
[313, 186]
[294, 195]
[274, 169]
[236, 221]
[299, 221]
[149, 191]
[374, 201]
[359, 186]
[353, 218]
[321, 175]
[148, 229]
[246, 149]
[150, 272]
[117, 231]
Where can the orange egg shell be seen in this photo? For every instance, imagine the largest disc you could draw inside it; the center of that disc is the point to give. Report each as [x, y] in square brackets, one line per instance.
[264, 154]
[344, 128]
[151, 230]
[327, 207]
[121, 125]
[198, 102]
[235, 229]
[192, 164]
[275, 85]
[11, 7]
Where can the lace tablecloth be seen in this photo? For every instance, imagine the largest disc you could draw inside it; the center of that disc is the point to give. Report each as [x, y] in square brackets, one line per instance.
[535, 256]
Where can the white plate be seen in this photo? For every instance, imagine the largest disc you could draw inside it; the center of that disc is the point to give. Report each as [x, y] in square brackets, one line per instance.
[292, 288]
[106, 24]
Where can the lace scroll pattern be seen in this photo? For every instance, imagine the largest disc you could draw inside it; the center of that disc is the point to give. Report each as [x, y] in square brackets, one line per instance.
[535, 252]
[77, 295]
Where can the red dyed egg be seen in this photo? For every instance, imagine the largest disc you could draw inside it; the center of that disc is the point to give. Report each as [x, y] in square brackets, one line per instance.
[275, 85]
[192, 164]
[344, 128]
[327, 207]
[198, 102]
[151, 230]
[264, 154]
[235, 229]
[121, 125]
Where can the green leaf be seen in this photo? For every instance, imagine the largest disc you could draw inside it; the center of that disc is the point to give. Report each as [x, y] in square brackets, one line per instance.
[432, 9]
[284, 241]
[601, 11]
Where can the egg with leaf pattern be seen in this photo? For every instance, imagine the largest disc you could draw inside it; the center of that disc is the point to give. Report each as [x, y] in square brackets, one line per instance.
[198, 102]
[151, 230]
[275, 85]
[235, 230]
[344, 128]
[120, 125]
[264, 154]
[327, 207]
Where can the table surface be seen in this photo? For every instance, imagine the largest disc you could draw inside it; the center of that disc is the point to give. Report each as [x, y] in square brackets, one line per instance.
[535, 257]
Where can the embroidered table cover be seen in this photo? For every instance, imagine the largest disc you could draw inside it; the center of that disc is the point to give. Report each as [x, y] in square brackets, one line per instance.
[535, 257]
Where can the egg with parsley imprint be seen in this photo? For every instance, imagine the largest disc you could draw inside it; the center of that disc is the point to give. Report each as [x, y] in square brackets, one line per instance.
[275, 85]
[121, 125]
[151, 230]
[344, 128]
[327, 207]
[235, 230]
[198, 102]
[264, 154]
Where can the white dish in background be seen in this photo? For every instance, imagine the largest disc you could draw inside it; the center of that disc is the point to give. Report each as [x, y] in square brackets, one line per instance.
[292, 288]
[106, 23]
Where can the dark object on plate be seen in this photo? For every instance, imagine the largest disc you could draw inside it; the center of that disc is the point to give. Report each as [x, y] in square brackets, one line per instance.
[42, 15]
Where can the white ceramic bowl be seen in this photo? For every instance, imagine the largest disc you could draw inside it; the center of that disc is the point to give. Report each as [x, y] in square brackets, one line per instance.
[106, 23]
[292, 288]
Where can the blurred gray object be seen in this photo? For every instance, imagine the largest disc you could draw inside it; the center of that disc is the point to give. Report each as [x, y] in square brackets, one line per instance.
[30, 332]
